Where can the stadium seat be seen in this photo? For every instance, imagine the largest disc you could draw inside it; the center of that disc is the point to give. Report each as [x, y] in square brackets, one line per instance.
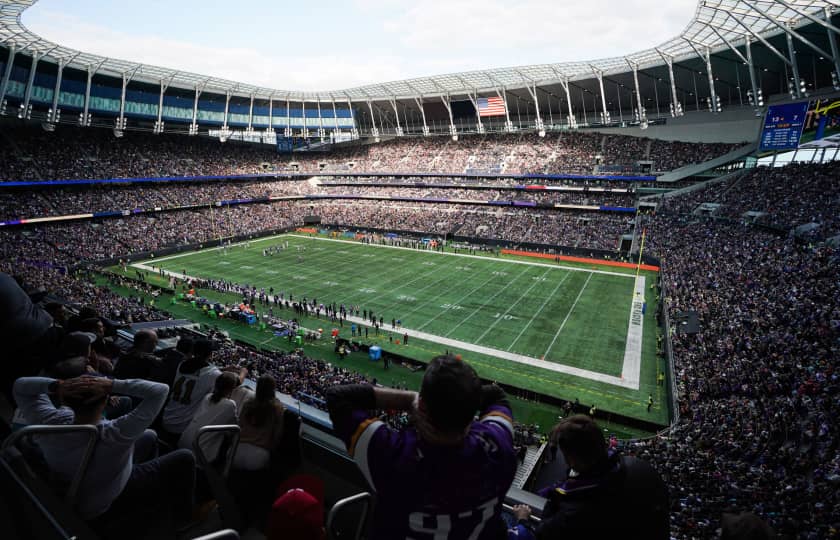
[358, 507]
[31, 507]
[217, 471]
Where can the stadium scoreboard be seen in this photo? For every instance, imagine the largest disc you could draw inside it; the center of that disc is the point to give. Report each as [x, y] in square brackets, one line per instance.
[783, 126]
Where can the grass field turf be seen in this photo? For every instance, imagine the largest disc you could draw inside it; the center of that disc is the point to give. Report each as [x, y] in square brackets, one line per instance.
[566, 313]
[525, 408]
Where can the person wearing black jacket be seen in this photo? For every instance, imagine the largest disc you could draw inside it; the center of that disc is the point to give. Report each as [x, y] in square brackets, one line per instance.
[604, 495]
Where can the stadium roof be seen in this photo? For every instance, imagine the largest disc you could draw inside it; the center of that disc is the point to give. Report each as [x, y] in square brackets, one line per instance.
[717, 25]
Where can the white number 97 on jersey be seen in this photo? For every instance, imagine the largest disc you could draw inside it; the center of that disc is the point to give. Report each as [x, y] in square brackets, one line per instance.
[467, 524]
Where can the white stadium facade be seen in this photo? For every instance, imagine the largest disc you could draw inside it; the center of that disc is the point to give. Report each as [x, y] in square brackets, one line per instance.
[733, 59]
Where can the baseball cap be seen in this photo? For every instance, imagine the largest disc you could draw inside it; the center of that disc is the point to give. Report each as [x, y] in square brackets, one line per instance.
[296, 515]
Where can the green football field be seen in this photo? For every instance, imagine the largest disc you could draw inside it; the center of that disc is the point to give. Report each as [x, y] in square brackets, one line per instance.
[566, 330]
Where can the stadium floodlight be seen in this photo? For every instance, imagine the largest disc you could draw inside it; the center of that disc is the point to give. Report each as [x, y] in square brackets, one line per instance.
[455, 137]
[25, 112]
[835, 80]
[541, 133]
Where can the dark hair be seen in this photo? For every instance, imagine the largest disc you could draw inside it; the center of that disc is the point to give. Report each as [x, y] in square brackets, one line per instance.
[451, 393]
[185, 345]
[225, 383]
[202, 349]
[580, 439]
[256, 411]
[68, 369]
[88, 312]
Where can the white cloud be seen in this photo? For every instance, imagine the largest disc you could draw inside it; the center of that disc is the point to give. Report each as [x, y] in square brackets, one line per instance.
[432, 37]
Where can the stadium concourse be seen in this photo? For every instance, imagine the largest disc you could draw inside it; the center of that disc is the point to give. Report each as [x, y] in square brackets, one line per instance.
[757, 385]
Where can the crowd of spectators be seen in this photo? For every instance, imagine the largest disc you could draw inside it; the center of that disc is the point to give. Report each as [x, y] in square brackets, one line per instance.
[90, 240]
[758, 384]
[27, 204]
[784, 197]
[72, 153]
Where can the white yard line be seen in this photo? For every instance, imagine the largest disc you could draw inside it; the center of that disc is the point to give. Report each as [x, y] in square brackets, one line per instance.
[356, 243]
[510, 307]
[442, 311]
[476, 310]
[631, 368]
[571, 309]
[539, 310]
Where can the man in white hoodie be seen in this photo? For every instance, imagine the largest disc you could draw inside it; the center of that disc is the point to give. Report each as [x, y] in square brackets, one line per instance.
[125, 484]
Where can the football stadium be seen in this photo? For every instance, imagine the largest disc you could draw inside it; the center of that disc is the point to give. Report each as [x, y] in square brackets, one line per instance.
[596, 296]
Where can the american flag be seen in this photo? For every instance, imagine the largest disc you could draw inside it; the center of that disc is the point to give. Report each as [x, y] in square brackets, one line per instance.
[492, 106]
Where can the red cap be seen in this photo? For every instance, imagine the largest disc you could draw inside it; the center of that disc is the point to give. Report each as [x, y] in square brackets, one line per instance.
[296, 515]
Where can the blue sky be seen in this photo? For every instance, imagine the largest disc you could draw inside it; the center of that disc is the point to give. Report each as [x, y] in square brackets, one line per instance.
[331, 44]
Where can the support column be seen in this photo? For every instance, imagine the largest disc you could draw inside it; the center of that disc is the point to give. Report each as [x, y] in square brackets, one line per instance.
[287, 131]
[605, 114]
[84, 118]
[419, 102]
[508, 124]
[641, 112]
[194, 125]
[25, 109]
[270, 129]
[452, 130]
[55, 113]
[756, 95]
[120, 124]
[227, 108]
[539, 125]
[4, 85]
[335, 118]
[572, 120]
[250, 127]
[303, 118]
[158, 128]
[676, 106]
[798, 90]
[374, 130]
[714, 101]
[474, 100]
[355, 131]
[321, 132]
[393, 102]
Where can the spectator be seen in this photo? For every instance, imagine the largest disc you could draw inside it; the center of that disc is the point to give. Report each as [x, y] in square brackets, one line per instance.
[194, 379]
[261, 423]
[453, 472]
[165, 371]
[214, 409]
[125, 482]
[601, 484]
[139, 362]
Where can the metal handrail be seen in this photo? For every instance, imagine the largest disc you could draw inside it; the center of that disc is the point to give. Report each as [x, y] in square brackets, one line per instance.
[508, 508]
[225, 534]
[231, 429]
[365, 498]
[49, 430]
